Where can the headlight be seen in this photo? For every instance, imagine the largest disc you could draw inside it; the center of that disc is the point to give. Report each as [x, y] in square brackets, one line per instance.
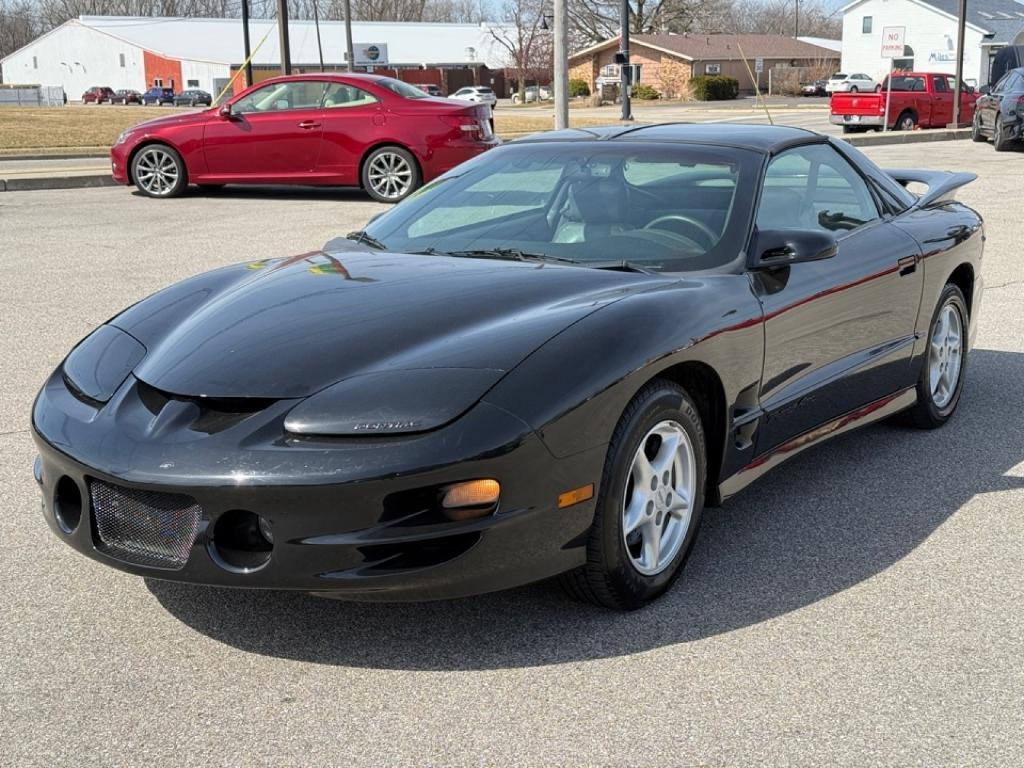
[391, 402]
[102, 361]
[122, 138]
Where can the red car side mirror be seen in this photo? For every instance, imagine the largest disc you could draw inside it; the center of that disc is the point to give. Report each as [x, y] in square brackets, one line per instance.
[225, 111]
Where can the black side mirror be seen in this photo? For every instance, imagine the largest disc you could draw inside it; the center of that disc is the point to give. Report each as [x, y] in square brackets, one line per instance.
[773, 248]
[985, 89]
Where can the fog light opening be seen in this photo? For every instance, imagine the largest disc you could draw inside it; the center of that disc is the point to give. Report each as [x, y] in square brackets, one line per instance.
[241, 541]
[470, 500]
[67, 504]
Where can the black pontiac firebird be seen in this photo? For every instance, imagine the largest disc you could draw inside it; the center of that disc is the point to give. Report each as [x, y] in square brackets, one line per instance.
[545, 362]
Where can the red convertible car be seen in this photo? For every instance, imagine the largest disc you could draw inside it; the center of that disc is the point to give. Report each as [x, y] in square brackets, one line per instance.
[374, 132]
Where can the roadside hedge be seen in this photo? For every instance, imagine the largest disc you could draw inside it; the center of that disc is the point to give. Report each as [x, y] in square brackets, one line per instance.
[644, 92]
[578, 88]
[714, 87]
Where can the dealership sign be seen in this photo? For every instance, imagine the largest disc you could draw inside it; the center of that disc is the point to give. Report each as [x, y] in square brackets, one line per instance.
[893, 42]
[370, 54]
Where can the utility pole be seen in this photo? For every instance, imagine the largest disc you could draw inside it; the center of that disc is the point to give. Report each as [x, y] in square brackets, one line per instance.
[245, 43]
[349, 49]
[960, 23]
[796, 21]
[561, 79]
[282, 27]
[623, 59]
[316, 21]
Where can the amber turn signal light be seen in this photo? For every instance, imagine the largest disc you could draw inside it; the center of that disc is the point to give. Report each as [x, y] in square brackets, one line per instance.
[575, 496]
[474, 498]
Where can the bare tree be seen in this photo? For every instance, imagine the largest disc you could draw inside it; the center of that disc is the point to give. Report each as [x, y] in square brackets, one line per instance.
[526, 43]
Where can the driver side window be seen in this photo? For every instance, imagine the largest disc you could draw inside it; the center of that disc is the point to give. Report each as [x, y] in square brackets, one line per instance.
[296, 94]
[814, 187]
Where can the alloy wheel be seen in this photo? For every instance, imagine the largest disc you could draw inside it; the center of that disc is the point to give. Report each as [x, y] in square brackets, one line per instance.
[156, 171]
[389, 175]
[945, 356]
[658, 500]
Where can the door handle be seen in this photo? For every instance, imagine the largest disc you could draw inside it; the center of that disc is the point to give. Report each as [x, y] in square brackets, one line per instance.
[308, 124]
[907, 265]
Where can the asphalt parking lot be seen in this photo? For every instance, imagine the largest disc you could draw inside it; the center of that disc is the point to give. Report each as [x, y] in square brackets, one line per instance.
[859, 606]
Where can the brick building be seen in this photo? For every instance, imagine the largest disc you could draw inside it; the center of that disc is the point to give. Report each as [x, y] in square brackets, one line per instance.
[669, 61]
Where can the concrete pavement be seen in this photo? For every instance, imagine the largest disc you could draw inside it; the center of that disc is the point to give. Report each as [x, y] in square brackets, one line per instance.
[859, 606]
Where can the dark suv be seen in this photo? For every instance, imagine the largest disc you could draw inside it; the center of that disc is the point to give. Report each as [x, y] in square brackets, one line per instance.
[158, 95]
[193, 97]
[999, 111]
[97, 95]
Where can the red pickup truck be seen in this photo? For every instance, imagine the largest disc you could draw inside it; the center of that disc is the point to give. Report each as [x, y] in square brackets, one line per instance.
[922, 99]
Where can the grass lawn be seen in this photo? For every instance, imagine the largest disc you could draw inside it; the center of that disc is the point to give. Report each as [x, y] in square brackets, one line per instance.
[57, 129]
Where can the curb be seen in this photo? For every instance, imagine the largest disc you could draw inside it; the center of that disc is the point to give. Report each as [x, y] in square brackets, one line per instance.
[57, 182]
[908, 137]
[65, 156]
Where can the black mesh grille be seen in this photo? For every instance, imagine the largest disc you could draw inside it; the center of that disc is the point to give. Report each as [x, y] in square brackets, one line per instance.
[144, 527]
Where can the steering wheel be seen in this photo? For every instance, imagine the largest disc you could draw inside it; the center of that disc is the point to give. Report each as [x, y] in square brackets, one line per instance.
[706, 237]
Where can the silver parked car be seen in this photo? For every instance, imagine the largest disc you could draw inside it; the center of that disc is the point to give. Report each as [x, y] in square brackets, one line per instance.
[478, 93]
[533, 93]
[842, 82]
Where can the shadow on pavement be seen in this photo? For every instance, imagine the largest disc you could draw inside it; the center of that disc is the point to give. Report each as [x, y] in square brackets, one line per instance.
[288, 192]
[825, 521]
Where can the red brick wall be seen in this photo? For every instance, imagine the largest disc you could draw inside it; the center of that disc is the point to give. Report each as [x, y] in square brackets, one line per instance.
[168, 70]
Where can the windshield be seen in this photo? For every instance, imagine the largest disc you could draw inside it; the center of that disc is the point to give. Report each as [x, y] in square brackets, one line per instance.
[659, 207]
[839, 76]
[402, 89]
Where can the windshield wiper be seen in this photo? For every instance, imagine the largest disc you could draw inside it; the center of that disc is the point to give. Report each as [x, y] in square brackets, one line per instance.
[621, 266]
[511, 254]
[361, 236]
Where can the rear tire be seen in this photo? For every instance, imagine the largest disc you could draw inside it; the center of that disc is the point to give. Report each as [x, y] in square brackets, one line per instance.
[942, 371]
[999, 138]
[390, 174]
[656, 457]
[976, 134]
[906, 121]
[853, 89]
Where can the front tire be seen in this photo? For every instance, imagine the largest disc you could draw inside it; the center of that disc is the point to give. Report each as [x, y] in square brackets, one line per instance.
[650, 503]
[942, 373]
[159, 171]
[390, 174]
[854, 89]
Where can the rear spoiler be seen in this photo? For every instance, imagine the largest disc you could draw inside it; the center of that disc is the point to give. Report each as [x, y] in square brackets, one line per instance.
[941, 184]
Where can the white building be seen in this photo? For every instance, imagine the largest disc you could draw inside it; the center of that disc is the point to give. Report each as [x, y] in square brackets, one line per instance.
[139, 52]
[931, 34]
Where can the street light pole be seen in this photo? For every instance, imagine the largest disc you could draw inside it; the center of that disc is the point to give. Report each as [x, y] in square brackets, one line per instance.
[282, 26]
[561, 73]
[627, 112]
[350, 54]
[245, 43]
[960, 23]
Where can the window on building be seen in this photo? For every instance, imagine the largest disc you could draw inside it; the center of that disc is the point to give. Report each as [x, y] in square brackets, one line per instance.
[122, 59]
[712, 69]
[865, 25]
[192, 84]
[158, 82]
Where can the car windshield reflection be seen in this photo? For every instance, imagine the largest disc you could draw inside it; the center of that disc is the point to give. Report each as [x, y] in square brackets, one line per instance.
[661, 208]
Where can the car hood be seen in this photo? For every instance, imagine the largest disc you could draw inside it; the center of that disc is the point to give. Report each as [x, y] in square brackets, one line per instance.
[287, 328]
[183, 118]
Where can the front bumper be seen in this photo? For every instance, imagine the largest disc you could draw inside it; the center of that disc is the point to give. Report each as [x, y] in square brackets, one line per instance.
[336, 506]
[119, 163]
